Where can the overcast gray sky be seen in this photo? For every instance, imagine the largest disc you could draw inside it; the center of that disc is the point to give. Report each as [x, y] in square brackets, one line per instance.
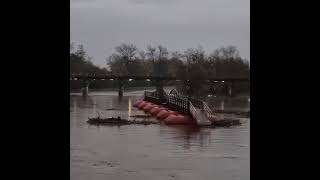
[100, 25]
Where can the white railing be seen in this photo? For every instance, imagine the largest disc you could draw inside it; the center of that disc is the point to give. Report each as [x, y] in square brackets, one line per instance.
[207, 109]
[189, 105]
[208, 112]
[193, 111]
[210, 115]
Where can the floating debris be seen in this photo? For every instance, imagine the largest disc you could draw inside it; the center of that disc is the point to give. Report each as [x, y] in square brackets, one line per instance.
[238, 113]
[110, 109]
[105, 163]
[227, 122]
[117, 121]
[172, 175]
[141, 116]
[224, 123]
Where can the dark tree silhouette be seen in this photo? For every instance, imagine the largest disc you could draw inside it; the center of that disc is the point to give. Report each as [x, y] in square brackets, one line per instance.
[193, 64]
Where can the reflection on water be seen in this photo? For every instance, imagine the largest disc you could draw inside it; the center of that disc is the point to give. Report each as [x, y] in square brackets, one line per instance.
[222, 104]
[227, 103]
[155, 151]
[129, 107]
[188, 136]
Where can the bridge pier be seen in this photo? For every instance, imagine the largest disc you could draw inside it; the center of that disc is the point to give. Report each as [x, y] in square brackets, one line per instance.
[85, 88]
[160, 90]
[230, 91]
[231, 88]
[120, 88]
[120, 91]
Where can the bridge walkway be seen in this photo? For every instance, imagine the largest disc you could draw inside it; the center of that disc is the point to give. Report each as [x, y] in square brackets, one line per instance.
[198, 109]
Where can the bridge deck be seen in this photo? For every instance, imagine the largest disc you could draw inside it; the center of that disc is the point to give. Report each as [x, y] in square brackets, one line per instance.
[196, 108]
[133, 77]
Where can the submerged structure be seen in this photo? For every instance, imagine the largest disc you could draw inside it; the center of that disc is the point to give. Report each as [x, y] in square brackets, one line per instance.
[174, 108]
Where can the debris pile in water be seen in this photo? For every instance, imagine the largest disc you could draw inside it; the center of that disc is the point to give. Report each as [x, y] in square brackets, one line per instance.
[141, 116]
[245, 114]
[223, 123]
[117, 121]
[227, 122]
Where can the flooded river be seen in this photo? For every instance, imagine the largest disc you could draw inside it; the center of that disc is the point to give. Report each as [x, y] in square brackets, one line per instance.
[156, 152]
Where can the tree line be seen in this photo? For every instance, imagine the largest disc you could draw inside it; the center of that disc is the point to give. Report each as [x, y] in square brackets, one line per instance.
[193, 63]
[80, 62]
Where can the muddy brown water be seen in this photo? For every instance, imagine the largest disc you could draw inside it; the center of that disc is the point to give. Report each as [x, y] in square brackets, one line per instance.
[157, 152]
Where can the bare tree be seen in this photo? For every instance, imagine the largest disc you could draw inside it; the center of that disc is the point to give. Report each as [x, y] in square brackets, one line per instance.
[162, 56]
[151, 53]
[176, 55]
[142, 55]
[71, 47]
[81, 52]
[195, 55]
[119, 61]
[163, 52]
[226, 53]
[116, 64]
[127, 52]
